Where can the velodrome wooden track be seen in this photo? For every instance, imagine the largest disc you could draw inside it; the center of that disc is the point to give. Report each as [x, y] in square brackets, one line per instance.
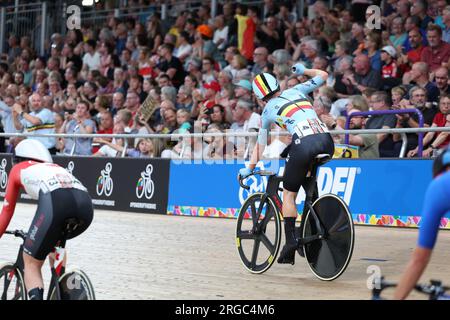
[139, 256]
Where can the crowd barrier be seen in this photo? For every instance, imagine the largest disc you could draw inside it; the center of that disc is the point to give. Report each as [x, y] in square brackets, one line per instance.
[378, 192]
[114, 183]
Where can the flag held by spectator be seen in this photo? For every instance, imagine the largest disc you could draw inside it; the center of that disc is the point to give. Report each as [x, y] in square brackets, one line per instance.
[246, 36]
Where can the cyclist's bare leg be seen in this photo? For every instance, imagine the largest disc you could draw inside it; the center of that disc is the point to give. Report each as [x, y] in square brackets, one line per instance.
[289, 210]
[32, 273]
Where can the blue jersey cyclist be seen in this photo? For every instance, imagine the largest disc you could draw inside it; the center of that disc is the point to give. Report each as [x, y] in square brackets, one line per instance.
[436, 205]
[291, 110]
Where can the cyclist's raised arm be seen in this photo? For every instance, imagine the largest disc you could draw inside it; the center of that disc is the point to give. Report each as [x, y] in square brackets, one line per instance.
[318, 78]
[12, 193]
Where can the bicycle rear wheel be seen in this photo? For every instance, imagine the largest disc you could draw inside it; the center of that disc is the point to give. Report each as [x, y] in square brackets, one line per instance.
[329, 257]
[74, 285]
[12, 285]
[258, 223]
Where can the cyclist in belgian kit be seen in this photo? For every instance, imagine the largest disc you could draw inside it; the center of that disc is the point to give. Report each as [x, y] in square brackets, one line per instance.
[436, 205]
[291, 110]
[60, 197]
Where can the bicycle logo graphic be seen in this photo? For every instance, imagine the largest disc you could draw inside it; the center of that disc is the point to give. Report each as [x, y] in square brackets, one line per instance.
[3, 174]
[145, 185]
[256, 184]
[70, 167]
[104, 182]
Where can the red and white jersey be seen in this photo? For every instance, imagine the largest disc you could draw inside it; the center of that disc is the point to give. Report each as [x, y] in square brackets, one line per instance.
[34, 177]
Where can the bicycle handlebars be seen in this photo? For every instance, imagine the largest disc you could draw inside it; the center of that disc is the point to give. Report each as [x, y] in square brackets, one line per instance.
[434, 289]
[254, 173]
[18, 234]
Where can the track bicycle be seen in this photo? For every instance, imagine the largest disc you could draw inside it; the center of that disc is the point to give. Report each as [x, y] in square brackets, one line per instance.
[71, 284]
[325, 235]
[435, 290]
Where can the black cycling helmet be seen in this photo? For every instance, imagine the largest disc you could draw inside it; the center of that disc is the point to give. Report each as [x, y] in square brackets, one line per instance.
[441, 163]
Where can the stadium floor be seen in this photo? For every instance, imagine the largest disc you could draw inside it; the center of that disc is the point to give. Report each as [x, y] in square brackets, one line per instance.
[139, 256]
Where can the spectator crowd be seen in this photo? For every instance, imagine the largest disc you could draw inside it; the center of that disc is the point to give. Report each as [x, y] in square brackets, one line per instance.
[198, 71]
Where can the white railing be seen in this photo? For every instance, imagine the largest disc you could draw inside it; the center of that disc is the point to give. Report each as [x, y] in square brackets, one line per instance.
[177, 136]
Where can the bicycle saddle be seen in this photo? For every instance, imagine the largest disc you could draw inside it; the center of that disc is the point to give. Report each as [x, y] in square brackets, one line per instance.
[322, 158]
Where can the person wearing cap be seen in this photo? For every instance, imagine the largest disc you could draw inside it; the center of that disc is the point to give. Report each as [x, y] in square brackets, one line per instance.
[203, 107]
[205, 46]
[243, 89]
[389, 68]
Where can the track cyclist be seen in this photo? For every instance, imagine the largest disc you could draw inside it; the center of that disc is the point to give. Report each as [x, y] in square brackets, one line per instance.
[60, 197]
[291, 110]
[436, 205]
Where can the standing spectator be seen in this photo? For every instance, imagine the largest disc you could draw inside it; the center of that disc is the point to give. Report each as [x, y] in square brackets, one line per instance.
[171, 65]
[437, 54]
[270, 35]
[79, 122]
[220, 37]
[39, 120]
[91, 59]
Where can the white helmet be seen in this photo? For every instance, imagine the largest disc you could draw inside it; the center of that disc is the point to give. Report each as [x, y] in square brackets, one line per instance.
[265, 85]
[33, 149]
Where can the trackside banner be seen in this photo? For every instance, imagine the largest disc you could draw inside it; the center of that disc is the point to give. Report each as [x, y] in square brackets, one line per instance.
[378, 192]
[124, 184]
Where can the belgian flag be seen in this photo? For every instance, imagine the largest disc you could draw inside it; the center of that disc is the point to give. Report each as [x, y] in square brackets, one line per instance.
[246, 36]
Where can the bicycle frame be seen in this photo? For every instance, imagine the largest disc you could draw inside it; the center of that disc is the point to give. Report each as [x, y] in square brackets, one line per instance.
[311, 190]
[57, 261]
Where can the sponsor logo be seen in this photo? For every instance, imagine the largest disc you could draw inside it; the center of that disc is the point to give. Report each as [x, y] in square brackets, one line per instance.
[105, 183]
[3, 174]
[145, 186]
[339, 181]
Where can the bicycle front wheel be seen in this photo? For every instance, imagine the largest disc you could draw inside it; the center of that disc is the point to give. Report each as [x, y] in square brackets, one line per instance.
[12, 285]
[329, 257]
[74, 285]
[258, 222]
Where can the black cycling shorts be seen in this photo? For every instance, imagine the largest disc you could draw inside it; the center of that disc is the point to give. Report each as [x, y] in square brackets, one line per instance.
[54, 209]
[302, 153]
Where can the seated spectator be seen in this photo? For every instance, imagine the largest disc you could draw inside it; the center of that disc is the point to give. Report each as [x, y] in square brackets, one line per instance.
[184, 98]
[441, 79]
[243, 90]
[105, 127]
[397, 95]
[219, 147]
[418, 101]
[79, 122]
[245, 120]
[398, 34]
[218, 117]
[208, 99]
[389, 70]
[106, 149]
[208, 72]
[184, 120]
[322, 107]
[342, 73]
[364, 76]
[220, 37]
[437, 54]
[419, 75]
[433, 141]
[367, 143]
[144, 149]
[169, 93]
[413, 55]
[379, 101]
[260, 61]
[372, 46]
[91, 59]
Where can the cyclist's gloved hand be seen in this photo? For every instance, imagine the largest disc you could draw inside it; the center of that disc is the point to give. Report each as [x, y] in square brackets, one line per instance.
[298, 69]
[244, 172]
